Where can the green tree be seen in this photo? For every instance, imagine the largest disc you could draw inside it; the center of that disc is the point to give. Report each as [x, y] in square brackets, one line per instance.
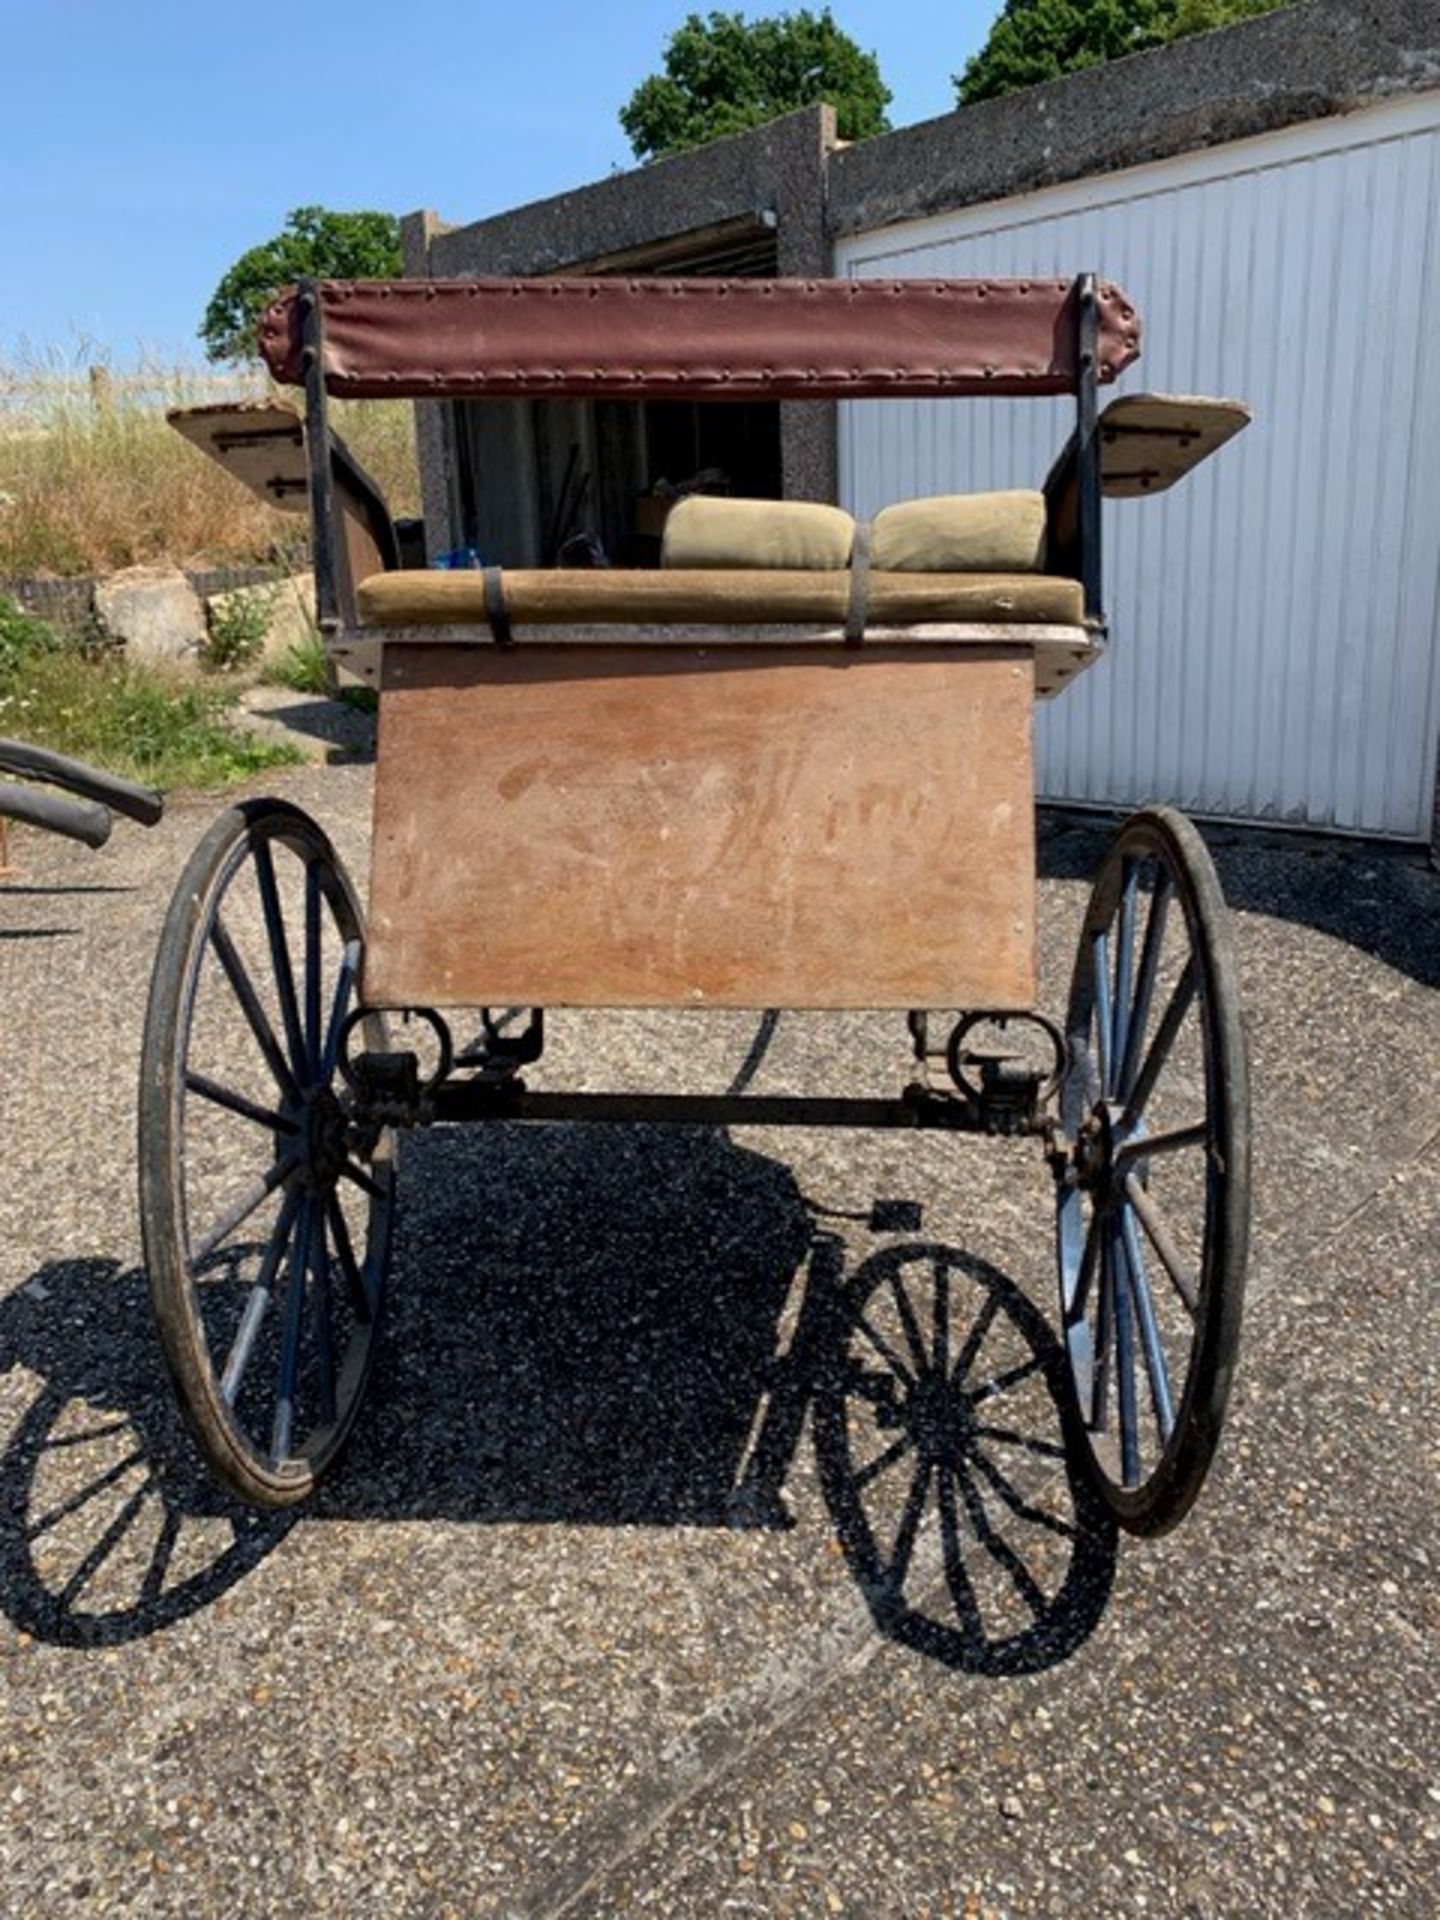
[1036, 40]
[340, 246]
[724, 74]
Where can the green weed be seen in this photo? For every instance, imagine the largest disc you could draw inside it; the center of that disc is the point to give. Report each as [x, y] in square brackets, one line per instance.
[162, 728]
[238, 623]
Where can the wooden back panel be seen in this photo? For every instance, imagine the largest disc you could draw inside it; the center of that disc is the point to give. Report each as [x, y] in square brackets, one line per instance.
[767, 827]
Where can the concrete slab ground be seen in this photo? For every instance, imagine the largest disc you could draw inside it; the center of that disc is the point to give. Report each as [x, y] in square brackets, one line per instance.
[577, 1628]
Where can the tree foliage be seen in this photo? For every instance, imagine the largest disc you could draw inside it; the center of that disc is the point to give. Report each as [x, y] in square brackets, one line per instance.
[340, 246]
[724, 74]
[1035, 40]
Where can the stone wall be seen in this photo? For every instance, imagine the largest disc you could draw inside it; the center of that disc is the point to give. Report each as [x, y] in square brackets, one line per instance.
[70, 603]
[165, 613]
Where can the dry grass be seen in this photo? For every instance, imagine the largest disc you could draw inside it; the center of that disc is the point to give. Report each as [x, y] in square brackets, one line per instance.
[92, 478]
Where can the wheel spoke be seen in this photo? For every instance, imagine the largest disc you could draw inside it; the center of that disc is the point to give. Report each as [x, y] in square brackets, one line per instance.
[1125, 1365]
[910, 1324]
[999, 1548]
[872, 1469]
[953, 1552]
[1003, 1382]
[244, 991]
[366, 1182]
[941, 1320]
[1075, 1306]
[1100, 966]
[283, 1428]
[1155, 1363]
[102, 1549]
[339, 1007]
[909, 1528]
[227, 1097]
[1029, 1442]
[1158, 1234]
[1172, 1140]
[280, 956]
[1100, 1369]
[1124, 964]
[1022, 1508]
[1145, 985]
[886, 1352]
[361, 1298]
[1160, 1046]
[312, 964]
[975, 1338]
[241, 1210]
[320, 1308]
[260, 1296]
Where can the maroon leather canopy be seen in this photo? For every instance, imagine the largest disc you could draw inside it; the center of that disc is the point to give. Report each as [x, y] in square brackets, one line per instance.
[699, 339]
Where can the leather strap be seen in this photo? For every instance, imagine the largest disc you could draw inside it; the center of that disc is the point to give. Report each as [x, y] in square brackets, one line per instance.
[858, 610]
[495, 609]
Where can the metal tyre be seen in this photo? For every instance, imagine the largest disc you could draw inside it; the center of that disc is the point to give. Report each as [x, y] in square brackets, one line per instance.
[266, 1213]
[1154, 1199]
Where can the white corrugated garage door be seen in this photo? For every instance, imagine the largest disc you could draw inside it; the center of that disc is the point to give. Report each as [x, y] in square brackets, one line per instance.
[1274, 619]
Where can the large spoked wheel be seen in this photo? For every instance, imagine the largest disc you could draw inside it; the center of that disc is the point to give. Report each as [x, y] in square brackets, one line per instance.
[1154, 1198]
[265, 1203]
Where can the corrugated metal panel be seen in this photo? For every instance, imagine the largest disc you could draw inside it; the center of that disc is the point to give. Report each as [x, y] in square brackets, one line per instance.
[1275, 617]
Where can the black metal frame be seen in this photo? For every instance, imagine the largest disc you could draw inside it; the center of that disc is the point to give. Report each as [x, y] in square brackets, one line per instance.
[916, 1109]
[483, 1082]
[323, 530]
[1087, 444]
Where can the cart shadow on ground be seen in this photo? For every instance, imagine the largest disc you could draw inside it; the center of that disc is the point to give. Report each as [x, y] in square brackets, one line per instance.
[602, 1327]
[68, 894]
[109, 1528]
[1376, 896]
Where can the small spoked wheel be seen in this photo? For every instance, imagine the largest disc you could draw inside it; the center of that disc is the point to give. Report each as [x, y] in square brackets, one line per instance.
[266, 1200]
[1154, 1196]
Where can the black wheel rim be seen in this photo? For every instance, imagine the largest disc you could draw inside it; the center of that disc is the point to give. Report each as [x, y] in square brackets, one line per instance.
[267, 1208]
[1153, 1205]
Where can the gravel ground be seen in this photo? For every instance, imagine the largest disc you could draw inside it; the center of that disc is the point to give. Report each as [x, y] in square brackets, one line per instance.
[581, 1625]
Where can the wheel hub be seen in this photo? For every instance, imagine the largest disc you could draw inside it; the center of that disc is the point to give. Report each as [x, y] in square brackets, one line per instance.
[1100, 1139]
[1095, 1149]
[940, 1419]
[326, 1129]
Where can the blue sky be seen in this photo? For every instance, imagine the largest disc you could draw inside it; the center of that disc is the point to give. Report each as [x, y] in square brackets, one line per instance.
[145, 144]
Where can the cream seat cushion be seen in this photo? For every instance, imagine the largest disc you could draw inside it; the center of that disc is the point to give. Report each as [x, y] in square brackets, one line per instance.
[798, 536]
[961, 533]
[948, 533]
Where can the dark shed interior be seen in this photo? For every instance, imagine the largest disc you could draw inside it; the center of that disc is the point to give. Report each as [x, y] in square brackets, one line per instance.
[531, 476]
